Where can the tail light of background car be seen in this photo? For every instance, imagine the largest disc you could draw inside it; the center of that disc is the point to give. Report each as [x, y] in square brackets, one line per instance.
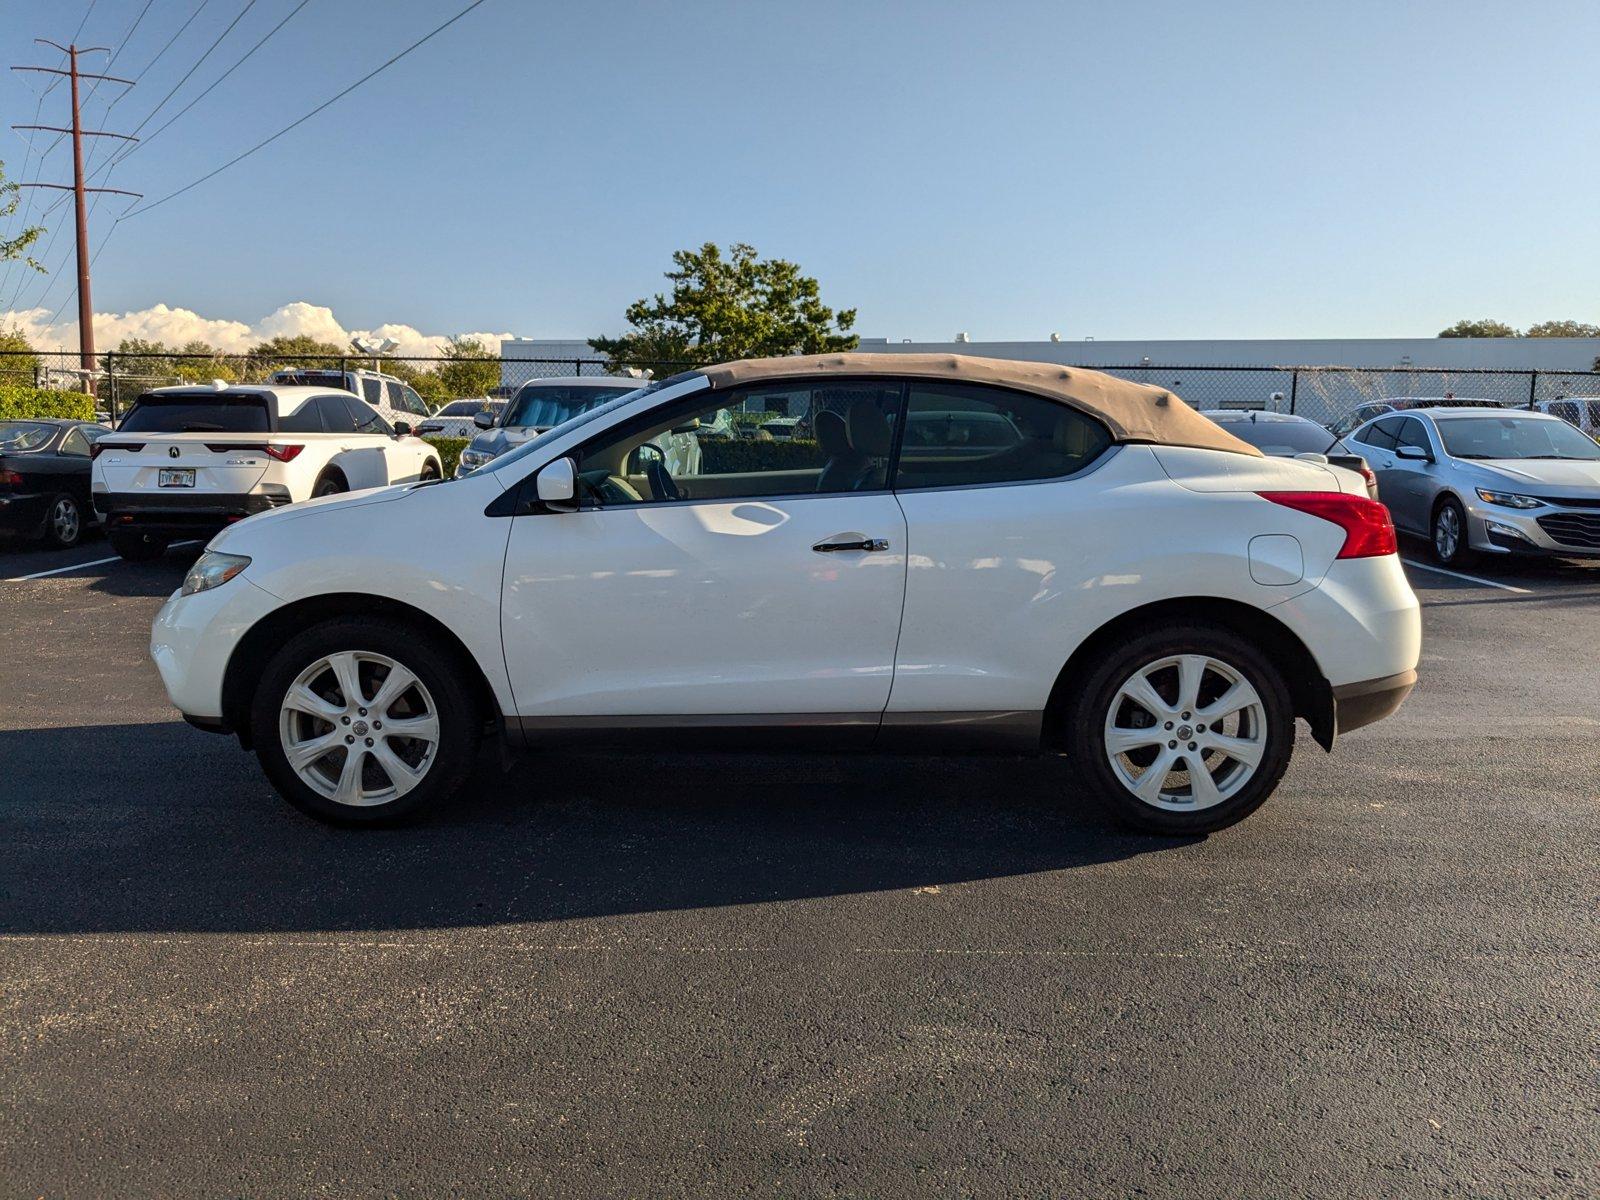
[283, 453]
[1368, 528]
[10, 479]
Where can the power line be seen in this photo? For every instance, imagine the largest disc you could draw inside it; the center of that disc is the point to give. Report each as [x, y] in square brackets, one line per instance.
[151, 137]
[249, 4]
[261, 145]
[198, 9]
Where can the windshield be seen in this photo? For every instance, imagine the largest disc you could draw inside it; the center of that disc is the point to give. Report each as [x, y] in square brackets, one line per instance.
[197, 414]
[19, 437]
[1514, 437]
[1281, 438]
[541, 405]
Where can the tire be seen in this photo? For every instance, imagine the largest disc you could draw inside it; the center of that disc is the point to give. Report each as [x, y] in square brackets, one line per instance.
[1449, 548]
[330, 484]
[63, 524]
[430, 470]
[135, 546]
[1175, 804]
[384, 790]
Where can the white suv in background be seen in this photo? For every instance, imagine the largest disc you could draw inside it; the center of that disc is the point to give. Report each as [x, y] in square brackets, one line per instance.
[187, 461]
[394, 399]
[1122, 582]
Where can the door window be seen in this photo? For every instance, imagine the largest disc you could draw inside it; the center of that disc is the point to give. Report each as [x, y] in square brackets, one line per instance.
[372, 390]
[1380, 434]
[842, 434]
[75, 444]
[305, 419]
[366, 420]
[961, 435]
[1413, 434]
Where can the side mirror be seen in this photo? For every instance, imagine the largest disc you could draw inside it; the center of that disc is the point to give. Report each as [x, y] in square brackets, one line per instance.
[402, 428]
[1415, 453]
[558, 482]
[483, 419]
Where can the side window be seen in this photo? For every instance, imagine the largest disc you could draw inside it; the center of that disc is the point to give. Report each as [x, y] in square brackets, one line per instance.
[339, 412]
[965, 434]
[1413, 434]
[1381, 434]
[305, 419]
[413, 403]
[75, 444]
[836, 438]
[368, 420]
[372, 390]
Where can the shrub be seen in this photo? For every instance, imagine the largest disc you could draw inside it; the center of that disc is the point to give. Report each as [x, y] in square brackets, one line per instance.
[449, 449]
[24, 402]
[732, 457]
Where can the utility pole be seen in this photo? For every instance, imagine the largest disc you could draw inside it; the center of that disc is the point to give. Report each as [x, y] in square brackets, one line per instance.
[86, 358]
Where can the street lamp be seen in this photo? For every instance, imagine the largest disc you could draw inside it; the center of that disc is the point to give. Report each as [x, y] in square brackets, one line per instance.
[374, 346]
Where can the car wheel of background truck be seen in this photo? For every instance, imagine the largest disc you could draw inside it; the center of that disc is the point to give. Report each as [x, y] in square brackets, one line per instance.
[135, 546]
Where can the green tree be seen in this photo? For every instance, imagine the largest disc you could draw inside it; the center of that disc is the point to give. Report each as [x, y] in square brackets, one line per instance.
[468, 369]
[19, 365]
[729, 307]
[1562, 329]
[146, 361]
[1483, 328]
[15, 249]
[202, 370]
[293, 350]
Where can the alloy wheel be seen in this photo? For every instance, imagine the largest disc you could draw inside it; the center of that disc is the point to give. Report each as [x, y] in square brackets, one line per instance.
[359, 728]
[64, 521]
[1447, 532]
[1185, 732]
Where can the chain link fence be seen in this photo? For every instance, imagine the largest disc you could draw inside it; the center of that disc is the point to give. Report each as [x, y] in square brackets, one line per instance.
[1322, 393]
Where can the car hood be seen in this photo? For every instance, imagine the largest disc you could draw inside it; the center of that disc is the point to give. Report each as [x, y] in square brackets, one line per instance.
[1577, 475]
[310, 508]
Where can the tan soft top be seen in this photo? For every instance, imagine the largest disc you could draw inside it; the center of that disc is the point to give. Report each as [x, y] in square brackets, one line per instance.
[1133, 412]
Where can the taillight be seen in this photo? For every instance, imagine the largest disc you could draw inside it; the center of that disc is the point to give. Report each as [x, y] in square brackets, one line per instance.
[98, 448]
[94, 449]
[10, 479]
[283, 453]
[1368, 529]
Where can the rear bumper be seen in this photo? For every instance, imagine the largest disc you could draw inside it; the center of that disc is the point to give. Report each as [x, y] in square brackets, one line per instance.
[24, 514]
[180, 513]
[1358, 704]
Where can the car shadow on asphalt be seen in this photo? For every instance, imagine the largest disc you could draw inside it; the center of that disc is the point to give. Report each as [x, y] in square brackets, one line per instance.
[157, 578]
[159, 827]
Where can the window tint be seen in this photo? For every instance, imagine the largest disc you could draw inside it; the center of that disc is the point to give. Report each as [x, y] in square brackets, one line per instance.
[843, 431]
[414, 403]
[1381, 434]
[963, 434]
[372, 390]
[305, 419]
[1413, 434]
[75, 443]
[207, 413]
[368, 420]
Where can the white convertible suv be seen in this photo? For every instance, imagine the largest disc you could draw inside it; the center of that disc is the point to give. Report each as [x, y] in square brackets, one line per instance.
[190, 460]
[1122, 582]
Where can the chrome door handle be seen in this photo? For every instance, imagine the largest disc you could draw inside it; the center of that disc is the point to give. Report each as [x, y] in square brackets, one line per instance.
[868, 544]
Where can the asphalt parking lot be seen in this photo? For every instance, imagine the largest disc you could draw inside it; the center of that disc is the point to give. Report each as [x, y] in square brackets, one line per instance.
[867, 976]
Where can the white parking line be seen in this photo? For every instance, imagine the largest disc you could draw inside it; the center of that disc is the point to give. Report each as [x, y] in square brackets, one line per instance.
[1494, 583]
[97, 562]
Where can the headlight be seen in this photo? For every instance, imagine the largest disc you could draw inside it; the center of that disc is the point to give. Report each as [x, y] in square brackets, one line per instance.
[1509, 499]
[212, 569]
[471, 459]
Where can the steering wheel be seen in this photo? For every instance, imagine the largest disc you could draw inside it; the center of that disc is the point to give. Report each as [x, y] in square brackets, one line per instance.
[662, 486]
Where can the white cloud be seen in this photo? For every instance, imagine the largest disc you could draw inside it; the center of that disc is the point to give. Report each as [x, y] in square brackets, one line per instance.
[175, 326]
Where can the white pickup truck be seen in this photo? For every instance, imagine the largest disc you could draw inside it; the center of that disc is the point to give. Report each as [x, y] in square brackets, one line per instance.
[187, 461]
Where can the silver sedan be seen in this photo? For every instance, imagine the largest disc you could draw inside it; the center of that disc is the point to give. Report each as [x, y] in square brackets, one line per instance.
[1490, 483]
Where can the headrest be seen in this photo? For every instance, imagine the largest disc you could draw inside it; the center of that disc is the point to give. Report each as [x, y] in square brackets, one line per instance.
[831, 436]
[868, 429]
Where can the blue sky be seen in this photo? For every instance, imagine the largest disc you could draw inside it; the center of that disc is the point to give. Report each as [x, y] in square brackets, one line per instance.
[1110, 169]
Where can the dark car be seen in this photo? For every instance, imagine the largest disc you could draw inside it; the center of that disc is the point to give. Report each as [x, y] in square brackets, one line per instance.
[1282, 435]
[44, 478]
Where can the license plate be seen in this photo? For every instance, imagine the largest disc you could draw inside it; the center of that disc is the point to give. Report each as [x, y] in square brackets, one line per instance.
[176, 477]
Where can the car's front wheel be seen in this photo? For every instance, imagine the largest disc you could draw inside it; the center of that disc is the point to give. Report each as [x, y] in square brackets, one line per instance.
[1450, 533]
[361, 721]
[1183, 731]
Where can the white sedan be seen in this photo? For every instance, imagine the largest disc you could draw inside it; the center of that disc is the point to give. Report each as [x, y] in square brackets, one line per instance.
[1123, 582]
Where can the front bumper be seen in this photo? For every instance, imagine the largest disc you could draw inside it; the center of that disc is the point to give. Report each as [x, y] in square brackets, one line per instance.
[178, 512]
[193, 637]
[1551, 530]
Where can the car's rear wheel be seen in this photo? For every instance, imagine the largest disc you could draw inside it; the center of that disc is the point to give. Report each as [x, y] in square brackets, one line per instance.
[362, 721]
[1183, 731]
[137, 547]
[1450, 533]
[430, 469]
[63, 525]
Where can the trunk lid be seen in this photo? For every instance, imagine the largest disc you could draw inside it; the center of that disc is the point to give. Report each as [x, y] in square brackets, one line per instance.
[196, 463]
